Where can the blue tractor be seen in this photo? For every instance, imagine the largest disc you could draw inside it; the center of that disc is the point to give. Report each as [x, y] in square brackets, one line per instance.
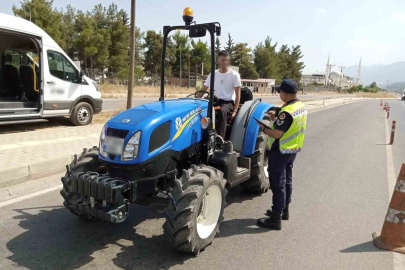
[167, 151]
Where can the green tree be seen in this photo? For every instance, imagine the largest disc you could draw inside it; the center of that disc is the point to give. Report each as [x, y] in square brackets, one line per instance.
[296, 66]
[243, 59]
[85, 44]
[265, 59]
[200, 54]
[360, 87]
[217, 46]
[230, 46]
[42, 14]
[67, 28]
[373, 85]
[119, 33]
[181, 45]
[353, 89]
[153, 45]
[153, 50]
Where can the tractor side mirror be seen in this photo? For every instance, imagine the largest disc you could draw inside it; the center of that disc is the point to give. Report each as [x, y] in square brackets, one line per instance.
[197, 33]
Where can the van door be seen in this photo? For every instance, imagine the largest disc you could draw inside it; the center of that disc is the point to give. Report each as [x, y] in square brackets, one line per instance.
[62, 84]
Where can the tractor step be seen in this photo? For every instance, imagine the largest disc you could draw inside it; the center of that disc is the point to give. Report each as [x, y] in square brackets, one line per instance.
[241, 169]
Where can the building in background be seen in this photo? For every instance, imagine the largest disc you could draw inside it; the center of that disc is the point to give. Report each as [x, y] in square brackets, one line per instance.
[335, 78]
[317, 78]
[260, 85]
[338, 79]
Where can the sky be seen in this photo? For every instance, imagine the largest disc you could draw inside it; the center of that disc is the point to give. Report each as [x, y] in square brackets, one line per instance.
[345, 29]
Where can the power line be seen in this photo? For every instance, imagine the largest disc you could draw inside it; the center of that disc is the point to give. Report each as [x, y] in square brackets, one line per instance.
[165, 10]
[158, 11]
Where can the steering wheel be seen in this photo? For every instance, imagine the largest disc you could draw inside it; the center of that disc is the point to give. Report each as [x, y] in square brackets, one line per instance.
[204, 92]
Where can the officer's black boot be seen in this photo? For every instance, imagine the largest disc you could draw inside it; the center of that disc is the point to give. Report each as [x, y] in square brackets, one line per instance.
[273, 222]
[284, 216]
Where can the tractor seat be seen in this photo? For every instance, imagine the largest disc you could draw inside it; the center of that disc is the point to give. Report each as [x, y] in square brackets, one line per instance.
[245, 95]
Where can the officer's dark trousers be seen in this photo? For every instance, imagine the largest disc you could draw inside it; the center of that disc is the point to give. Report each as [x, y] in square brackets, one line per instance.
[224, 114]
[280, 174]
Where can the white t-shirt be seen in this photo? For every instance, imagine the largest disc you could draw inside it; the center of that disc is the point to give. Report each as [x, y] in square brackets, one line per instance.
[225, 84]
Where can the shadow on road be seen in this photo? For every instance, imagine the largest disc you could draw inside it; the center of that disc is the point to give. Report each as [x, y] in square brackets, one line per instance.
[52, 123]
[240, 226]
[364, 247]
[238, 195]
[56, 239]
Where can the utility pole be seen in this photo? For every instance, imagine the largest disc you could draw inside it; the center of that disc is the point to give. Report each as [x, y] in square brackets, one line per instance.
[131, 55]
[387, 85]
[341, 75]
[189, 67]
[327, 71]
[358, 73]
[202, 69]
[30, 8]
[180, 69]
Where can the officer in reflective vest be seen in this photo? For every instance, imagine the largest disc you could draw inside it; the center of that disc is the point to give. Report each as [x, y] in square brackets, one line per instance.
[285, 140]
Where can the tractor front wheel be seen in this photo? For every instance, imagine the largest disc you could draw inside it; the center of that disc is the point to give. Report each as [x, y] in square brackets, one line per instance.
[195, 209]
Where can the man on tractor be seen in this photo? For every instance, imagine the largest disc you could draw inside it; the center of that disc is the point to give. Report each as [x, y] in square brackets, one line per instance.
[227, 89]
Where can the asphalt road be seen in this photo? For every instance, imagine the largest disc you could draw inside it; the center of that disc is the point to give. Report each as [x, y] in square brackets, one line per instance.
[340, 198]
[110, 104]
[397, 113]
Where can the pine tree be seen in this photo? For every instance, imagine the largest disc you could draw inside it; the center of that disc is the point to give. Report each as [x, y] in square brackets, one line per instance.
[230, 46]
[41, 13]
[217, 46]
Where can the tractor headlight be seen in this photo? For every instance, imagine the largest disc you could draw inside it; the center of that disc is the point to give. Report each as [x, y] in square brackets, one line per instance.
[102, 140]
[132, 147]
[204, 122]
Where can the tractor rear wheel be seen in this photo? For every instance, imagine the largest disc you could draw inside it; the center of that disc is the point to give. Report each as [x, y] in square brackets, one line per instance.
[259, 176]
[195, 209]
[88, 161]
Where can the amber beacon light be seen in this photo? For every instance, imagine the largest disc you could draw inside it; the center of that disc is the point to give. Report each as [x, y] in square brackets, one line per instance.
[188, 15]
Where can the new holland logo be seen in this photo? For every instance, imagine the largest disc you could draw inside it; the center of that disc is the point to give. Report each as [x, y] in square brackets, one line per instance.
[178, 123]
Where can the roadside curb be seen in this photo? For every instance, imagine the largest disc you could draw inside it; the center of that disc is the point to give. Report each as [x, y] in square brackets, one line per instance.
[19, 174]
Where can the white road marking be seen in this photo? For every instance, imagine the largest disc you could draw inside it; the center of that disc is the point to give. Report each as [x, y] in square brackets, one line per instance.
[399, 259]
[29, 196]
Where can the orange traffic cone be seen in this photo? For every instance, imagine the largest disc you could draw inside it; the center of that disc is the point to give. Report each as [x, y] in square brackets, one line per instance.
[381, 103]
[392, 236]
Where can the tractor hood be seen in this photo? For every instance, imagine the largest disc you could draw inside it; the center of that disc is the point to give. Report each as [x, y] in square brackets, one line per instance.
[156, 111]
[164, 125]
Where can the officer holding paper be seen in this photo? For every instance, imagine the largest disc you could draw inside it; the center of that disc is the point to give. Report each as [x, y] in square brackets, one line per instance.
[285, 140]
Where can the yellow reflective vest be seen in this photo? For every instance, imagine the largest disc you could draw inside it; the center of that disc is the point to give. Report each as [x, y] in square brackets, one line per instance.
[292, 140]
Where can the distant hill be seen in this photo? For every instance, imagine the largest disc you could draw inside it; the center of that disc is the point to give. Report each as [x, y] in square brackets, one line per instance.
[399, 86]
[394, 72]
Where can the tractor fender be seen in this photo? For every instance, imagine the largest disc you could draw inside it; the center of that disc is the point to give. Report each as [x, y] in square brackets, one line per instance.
[245, 129]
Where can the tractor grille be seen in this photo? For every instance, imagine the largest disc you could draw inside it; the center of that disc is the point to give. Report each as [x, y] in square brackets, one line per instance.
[119, 133]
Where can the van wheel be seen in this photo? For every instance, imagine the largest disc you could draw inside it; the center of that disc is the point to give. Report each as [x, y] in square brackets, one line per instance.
[82, 114]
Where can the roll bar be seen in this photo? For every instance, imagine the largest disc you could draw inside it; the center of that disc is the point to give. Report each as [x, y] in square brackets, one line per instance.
[212, 28]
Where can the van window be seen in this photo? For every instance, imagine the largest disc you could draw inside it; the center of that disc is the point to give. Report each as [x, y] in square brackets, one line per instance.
[61, 68]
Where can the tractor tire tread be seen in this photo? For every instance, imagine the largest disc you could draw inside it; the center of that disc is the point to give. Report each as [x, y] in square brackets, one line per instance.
[180, 225]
